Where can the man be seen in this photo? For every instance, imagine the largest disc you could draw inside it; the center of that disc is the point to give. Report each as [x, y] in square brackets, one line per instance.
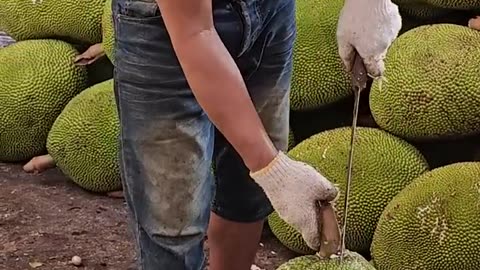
[198, 81]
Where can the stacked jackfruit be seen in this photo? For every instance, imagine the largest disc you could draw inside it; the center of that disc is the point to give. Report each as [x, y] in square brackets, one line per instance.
[416, 178]
[46, 108]
[429, 99]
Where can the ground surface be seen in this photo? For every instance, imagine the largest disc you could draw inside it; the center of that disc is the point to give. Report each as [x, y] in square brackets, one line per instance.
[45, 220]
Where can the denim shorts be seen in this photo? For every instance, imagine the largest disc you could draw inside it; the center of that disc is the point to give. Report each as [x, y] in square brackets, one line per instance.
[167, 142]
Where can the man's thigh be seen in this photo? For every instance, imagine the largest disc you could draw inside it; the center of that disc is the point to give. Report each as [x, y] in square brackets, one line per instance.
[267, 68]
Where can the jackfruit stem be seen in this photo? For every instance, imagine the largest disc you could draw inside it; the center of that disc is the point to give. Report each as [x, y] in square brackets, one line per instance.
[39, 164]
[92, 54]
[474, 23]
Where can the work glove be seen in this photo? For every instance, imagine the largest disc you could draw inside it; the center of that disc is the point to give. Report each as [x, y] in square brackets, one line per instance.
[294, 188]
[368, 27]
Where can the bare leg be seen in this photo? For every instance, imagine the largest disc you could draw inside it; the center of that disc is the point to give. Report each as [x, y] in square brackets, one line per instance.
[232, 245]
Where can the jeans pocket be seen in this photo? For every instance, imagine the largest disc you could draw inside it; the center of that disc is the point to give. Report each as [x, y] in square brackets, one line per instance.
[137, 10]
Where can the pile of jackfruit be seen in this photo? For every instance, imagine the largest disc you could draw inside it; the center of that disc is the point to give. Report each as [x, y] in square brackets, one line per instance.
[415, 194]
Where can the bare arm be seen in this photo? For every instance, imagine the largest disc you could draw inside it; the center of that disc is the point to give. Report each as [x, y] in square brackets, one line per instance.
[215, 79]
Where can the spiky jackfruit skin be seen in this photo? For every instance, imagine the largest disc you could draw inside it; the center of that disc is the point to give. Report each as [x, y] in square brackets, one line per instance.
[455, 4]
[318, 74]
[383, 166]
[288, 236]
[351, 261]
[37, 79]
[433, 223]
[83, 139]
[108, 35]
[432, 87]
[69, 20]
[291, 139]
[423, 11]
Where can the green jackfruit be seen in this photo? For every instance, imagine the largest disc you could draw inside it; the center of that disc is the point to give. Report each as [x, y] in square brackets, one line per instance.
[383, 165]
[69, 20]
[83, 139]
[318, 74]
[291, 139]
[455, 4]
[433, 87]
[351, 261]
[108, 35]
[37, 79]
[433, 223]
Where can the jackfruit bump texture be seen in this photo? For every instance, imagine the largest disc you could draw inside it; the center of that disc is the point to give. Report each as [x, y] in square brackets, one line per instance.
[287, 235]
[318, 74]
[73, 21]
[422, 11]
[351, 261]
[291, 139]
[433, 223]
[37, 79]
[108, 35]
[383, 165]
[456, 4]
[83, 139]
[433, 84]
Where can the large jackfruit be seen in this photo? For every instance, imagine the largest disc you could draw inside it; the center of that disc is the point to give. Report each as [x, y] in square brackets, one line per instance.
[108, 34]
[69, 20]
[37, 79]
[318, 74]
[83, 140]
[455, 4]
[433, 84]
[383, 165]
[351, 261]
[432, 224]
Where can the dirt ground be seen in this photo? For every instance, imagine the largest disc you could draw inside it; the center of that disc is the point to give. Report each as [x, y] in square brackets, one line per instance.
[45, 220]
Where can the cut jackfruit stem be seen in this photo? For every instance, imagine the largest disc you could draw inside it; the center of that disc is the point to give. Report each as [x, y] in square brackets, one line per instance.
[92, 54]
[39, 164]
[474, 23]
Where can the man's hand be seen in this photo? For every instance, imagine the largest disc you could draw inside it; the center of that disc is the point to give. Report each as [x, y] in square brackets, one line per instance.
[368, 27]
[294, 188]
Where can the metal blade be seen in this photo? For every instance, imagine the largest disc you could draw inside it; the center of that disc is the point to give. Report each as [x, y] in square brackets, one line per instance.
[359, 82]
[329, 230]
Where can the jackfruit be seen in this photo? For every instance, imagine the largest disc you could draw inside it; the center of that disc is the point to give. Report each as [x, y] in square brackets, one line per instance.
[108, 35]
[433, 84]
[68, 20]
[37, 79]
[457, 4]
[351, 261]
[291, 139]
[319, 77]
[83, 139]
[383, 165]
[422, 11]
[433, 223]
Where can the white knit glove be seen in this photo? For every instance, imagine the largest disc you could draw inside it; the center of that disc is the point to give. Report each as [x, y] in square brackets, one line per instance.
[370, 27]
[294, 188]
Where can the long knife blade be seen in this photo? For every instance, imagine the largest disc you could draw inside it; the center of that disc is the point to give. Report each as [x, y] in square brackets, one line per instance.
[359, 81]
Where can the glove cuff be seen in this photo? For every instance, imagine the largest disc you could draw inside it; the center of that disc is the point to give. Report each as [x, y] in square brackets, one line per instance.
[272, 176]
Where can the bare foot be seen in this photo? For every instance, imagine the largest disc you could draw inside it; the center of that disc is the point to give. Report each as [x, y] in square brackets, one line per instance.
[474, 23]
[90, 55]
[39, 164]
